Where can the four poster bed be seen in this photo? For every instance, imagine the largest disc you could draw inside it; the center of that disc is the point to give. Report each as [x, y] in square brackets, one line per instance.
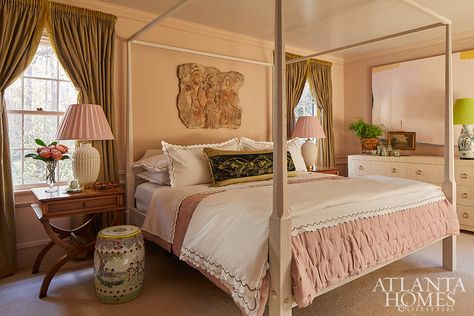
[308, 234]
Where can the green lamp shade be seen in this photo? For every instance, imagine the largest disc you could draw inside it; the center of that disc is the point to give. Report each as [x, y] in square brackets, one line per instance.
[464, 111]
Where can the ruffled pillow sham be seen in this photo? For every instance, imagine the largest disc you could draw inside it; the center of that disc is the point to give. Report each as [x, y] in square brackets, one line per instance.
[161, 178]
[156, 163]
[294, 147]
[187, 165]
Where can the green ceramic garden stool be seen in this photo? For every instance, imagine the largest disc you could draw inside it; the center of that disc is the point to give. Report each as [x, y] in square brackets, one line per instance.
[119, 263]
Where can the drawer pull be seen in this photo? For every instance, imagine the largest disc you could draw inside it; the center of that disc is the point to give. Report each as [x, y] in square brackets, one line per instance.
[463, 175]
[84, 204]
[464, 195]
[394, 170]
[419, 172]
[361, 168]
[465, 215]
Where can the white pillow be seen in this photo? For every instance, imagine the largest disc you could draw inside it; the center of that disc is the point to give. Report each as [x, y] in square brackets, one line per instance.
[153, 163]
[162, 178]
[187, 165]
[293, 145]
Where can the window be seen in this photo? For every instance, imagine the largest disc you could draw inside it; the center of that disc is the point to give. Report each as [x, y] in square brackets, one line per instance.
[35, 105]
[306, 106]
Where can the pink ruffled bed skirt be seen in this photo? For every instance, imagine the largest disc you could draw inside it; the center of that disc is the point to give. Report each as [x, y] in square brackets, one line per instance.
[326, 256]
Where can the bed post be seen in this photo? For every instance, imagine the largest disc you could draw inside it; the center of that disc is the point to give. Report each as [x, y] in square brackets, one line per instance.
[130, 177]
[449, 184]
[279, 250]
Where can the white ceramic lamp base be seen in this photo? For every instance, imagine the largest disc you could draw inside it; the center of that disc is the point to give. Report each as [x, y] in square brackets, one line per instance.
[86, 164]
[309, 150]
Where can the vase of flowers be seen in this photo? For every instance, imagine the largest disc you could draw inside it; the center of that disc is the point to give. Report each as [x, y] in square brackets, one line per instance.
[50, 154]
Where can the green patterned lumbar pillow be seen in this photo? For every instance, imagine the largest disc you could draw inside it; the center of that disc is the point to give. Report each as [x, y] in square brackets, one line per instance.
[230, 166]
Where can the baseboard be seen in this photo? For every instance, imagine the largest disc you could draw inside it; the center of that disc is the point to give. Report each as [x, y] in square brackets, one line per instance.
[30, 244]
[26, 253]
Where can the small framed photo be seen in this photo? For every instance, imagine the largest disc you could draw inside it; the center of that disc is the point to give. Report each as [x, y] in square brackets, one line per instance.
[402, 140]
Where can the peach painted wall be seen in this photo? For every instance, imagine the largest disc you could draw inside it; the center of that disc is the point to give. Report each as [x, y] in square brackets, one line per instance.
[413, 92]
[156, 89]
[358, 82]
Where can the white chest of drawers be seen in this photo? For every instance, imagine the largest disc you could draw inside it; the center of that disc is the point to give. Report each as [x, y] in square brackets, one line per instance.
[423, 168]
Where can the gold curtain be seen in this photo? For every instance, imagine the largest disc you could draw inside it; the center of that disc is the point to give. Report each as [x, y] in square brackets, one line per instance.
[320, 81]
[21, 27]
[84, 42]
[295, 81]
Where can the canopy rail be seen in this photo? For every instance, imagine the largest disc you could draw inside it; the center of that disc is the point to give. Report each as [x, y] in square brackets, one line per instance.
[367, 42]
[202, 53]
[158, 19]
[427, 11]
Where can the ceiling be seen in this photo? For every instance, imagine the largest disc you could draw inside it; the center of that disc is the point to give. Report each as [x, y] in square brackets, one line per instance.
[319, 25]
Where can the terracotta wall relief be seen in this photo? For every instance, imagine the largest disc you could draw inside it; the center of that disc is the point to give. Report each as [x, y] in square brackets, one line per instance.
[209, 98]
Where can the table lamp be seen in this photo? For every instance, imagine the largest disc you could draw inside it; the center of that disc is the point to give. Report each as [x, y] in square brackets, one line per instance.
[85, 122]
[464, 114]
[309, 127]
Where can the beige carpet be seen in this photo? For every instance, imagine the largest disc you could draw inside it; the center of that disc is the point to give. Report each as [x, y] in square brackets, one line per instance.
[173, 288]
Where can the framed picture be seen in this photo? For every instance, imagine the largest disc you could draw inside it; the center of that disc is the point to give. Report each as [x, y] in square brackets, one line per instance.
[402, 140]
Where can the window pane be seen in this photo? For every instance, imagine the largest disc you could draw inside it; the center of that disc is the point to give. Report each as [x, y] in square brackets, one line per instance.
[13, 96]
[39, 126]
[65, 170]
[306, 106]
[62, 73]
[40, 94]
[34, 172]
[65, 166]
[16, 157]
[67, 95]
[44, 64]
[14, 130]
[38, 88]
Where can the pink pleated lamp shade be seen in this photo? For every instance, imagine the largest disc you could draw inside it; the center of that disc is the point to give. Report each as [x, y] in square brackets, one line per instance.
[84, 122]
[308, 127]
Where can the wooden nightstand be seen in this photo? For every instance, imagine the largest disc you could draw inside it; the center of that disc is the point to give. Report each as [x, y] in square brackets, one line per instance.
[334, 171]
[61, 204]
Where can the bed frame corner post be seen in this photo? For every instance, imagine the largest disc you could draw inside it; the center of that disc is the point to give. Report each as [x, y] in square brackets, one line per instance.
[279, 243]
[130, 177]
[449, 253]
[449, 184]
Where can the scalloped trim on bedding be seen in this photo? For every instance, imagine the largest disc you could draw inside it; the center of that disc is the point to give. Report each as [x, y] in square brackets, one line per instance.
[245, 295]
[334, 221]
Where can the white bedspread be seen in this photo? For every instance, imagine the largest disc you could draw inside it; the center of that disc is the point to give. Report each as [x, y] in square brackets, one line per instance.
[164, 206]
[228, 233]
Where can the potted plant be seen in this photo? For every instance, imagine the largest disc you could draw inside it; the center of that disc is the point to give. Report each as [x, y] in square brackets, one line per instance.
[367, 133]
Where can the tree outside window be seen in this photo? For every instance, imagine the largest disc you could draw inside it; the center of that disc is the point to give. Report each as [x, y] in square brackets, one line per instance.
[306, 105]
[35, 104]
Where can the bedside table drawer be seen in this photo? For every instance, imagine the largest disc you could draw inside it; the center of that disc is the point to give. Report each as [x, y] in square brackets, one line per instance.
[85, 204]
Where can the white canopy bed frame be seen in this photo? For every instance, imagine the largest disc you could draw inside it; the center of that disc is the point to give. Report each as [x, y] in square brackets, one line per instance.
[280, 299]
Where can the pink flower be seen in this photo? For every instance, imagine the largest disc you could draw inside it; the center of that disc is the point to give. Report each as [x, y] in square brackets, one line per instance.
[40, 149]
[56, 154]
[45, 153]
[62, 148]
